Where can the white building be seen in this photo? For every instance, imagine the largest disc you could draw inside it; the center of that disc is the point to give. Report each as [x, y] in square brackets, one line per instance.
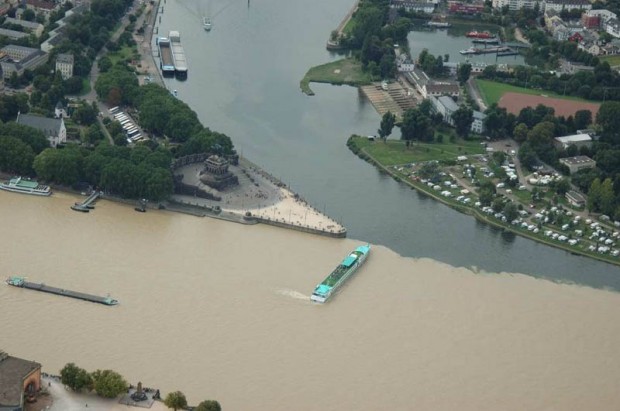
[441, 89]
[477, 126]
[577, 163]
[516, 4]
[53, 128]
[579, 140]
[419, 6]
[559, 5]
[64, 64]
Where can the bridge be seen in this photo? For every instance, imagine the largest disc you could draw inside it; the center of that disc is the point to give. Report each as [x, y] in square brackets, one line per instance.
[87, 205]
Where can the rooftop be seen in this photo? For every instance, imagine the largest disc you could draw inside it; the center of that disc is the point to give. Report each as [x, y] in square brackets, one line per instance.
[24, 23]
[576, 160]
[64, 58]
[442, 88]
[12, 34]
[12, 373]
[448, 103]
[574, 138]
[44, 124]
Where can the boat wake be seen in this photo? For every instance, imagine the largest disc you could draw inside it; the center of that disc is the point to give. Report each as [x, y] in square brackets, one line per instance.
[293, 294]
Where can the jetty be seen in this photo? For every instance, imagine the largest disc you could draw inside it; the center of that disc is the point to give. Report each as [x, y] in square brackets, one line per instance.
[88, 204]
[22, 283]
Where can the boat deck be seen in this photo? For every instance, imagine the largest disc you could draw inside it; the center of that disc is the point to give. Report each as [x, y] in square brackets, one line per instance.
[165, 54]
[61, 291]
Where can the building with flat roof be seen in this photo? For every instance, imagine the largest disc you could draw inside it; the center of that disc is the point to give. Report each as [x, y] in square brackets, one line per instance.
[516, 4]
[409, 5]
[577, 163]
[579, 140]
[576, 199]
[18, 379]
[53, 128]
[559, 5]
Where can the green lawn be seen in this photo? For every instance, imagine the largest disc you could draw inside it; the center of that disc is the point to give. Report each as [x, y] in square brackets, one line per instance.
[345, 71]
[492, 91]
[612, 60]
[126, 53]
[394, 152]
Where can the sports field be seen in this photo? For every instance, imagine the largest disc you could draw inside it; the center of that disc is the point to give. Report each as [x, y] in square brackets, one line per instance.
[492, 91]
[515, 102]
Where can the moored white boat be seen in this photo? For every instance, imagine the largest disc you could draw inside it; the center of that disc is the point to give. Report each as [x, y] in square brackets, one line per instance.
[19, 185]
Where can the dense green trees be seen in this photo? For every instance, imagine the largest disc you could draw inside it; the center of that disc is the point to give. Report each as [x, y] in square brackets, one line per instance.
[463, 72]
[108, 383]
[175, 400]
[433, 66]
[117, 86]
[75, 377]
[209, 405]
[463, 117]
[416, 126]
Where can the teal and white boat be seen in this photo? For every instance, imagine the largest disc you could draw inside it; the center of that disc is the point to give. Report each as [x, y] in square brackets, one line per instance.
[19, 185]
[345, 269]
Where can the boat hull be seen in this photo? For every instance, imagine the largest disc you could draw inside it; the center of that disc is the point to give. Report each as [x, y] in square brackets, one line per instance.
[25, 191]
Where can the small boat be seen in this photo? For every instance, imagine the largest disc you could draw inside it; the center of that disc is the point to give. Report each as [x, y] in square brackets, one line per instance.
[439, 24]
[206, 23]
[471, 50]
[480, 35]
[175, 93]
[81, 208]
[140, 209]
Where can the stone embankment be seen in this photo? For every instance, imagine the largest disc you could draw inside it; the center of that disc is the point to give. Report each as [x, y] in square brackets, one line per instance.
[335, 44]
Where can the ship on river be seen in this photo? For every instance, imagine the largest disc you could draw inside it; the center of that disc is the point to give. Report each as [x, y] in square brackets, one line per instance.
[20, 185]
[165, 54]
[345, 269]
[178, 53]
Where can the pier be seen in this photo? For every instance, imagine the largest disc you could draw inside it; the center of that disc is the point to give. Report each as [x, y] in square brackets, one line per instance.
[22, 283]
[88, 204]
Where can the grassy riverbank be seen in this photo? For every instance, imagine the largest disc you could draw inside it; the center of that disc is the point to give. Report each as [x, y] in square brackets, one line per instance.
[346, 71]
[397, 160]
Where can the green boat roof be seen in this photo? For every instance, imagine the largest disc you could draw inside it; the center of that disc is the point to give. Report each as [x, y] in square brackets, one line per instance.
[24, 183]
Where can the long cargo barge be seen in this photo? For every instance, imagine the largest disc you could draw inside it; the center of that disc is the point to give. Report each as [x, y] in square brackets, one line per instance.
[345, 269]
[22, 283]
[178, 53]
[165, 55]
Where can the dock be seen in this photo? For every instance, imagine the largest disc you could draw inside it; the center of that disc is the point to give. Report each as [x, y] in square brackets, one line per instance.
[88, 204]
[396, 99]
[22, 283]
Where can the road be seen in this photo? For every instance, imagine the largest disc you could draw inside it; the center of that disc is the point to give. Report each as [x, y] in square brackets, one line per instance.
[475, 94]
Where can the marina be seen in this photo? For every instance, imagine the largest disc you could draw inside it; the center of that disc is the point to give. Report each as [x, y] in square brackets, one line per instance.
[20, 185]
[22, 283]
[345, 269]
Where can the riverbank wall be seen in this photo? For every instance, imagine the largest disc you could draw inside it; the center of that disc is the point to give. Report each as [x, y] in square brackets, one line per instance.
[478, 214]
[335, 45]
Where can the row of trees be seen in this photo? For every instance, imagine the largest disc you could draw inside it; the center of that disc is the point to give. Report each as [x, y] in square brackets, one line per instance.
[106, 383]
[176, 400]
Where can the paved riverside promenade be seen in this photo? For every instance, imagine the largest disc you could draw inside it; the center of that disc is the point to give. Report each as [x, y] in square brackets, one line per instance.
[261, 195]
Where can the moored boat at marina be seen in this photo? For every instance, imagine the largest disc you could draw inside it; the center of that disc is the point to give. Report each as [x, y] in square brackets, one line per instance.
[439, 24]
[336, 278]
[479, 35]
[20, 185]
[206, 23]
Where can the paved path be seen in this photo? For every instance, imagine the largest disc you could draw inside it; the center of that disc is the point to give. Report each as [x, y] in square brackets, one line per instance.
[475, 93]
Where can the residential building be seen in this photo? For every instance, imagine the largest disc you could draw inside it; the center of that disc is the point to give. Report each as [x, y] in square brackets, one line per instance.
[41, 6]
[578, 140]
[57, 35]
[458, 7]
[577, 163]
[612, 27]
[404, 64]
[516, 4]
[31, 26]
[18, 379]
[53, 128]
[64, 64]
[552, 19]
[603, 15]
[446, 106]
[559, 5]
[418, 6]
[437, 89]
[576, 199]
[477, 126]
[590, 22]
[13, 34]
[18, 58]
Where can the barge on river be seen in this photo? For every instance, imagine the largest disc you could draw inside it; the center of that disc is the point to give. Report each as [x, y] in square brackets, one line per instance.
[345, 269]
[22, 283]
[20, 185]
[178, 53]
[165, 54]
